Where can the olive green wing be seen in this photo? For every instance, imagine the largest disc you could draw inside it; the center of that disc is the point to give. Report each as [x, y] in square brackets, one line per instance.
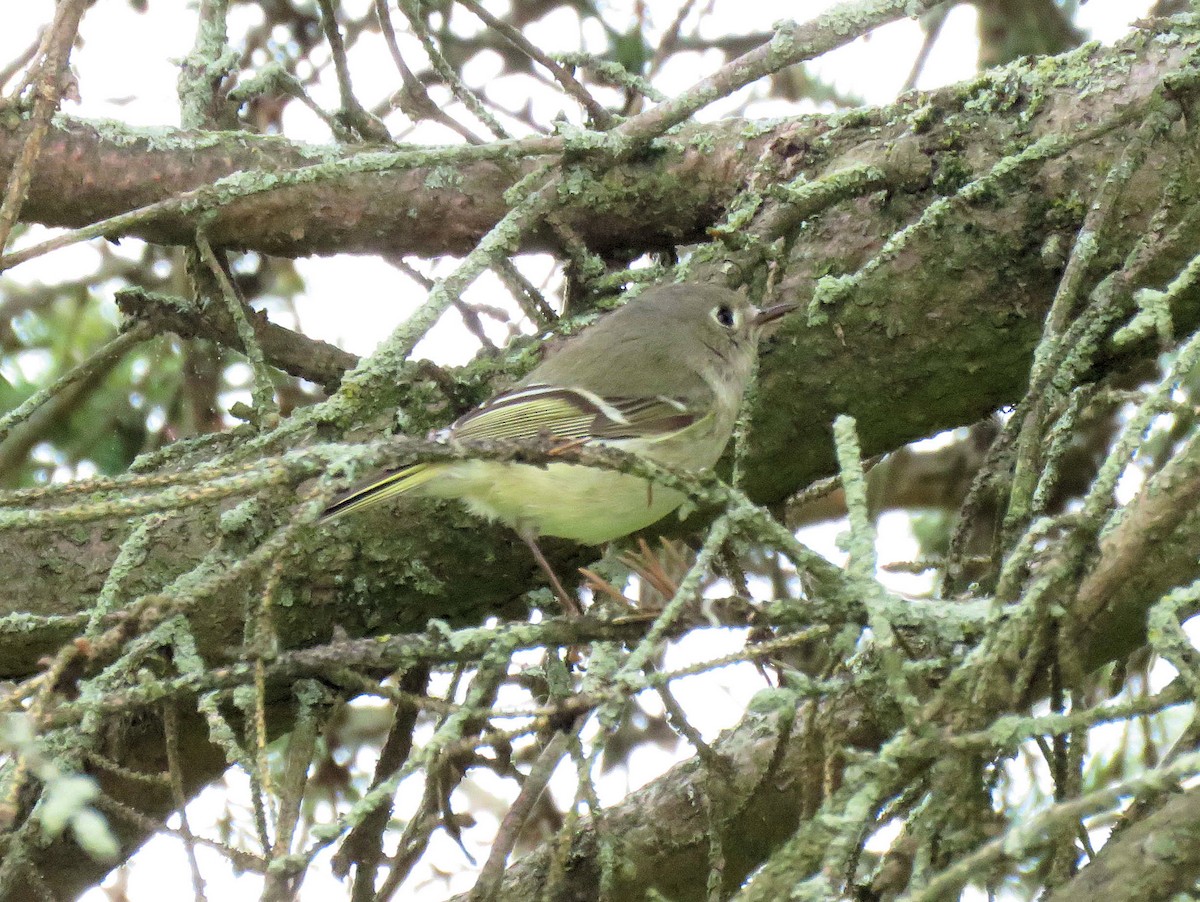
[573, 414]
[531, 412]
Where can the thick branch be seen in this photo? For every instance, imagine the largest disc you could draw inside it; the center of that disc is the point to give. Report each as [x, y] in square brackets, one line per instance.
[291, 199]
[423, 201]
[662, 831]
[1152, 859]
[308, 358]
[1152, 549]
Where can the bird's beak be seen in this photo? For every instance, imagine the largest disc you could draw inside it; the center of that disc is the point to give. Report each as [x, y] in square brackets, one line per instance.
[771, 314]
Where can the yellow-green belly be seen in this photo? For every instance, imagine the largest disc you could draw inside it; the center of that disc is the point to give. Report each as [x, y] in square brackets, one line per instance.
[583, 504]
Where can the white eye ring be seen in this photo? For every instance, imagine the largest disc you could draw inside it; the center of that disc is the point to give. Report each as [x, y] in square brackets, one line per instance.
[725, 316]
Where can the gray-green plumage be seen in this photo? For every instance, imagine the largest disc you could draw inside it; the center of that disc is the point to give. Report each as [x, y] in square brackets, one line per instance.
[662, 377]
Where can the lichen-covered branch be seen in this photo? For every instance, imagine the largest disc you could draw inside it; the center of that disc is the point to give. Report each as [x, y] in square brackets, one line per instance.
[290, 199]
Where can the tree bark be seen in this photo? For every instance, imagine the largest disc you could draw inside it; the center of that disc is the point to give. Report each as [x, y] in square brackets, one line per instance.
[290, 199]
[1154, 858]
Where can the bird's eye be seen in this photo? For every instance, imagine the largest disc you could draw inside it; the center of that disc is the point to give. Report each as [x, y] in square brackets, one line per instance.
[725, 316]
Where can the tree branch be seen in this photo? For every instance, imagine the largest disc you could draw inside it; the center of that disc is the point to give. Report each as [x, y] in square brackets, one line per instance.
[1153, 859]
[289, 199]
[295, 353]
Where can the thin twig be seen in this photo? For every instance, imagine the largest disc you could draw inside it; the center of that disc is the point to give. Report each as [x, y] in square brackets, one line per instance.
[263, 390]
[445, 71]
[469, 314]
[600, 117]
[352, 112]
[175, 769]
[488, 882]
[285, 349]
[363, 845]
[932, 27]
[100, 361]
[670, 39]
[47, 90]
[21, 59]
[415, 102]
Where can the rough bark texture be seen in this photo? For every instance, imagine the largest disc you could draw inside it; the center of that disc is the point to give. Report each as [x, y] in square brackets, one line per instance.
[1152, 859]
[662, 832]
[429, 202]
[88, 172]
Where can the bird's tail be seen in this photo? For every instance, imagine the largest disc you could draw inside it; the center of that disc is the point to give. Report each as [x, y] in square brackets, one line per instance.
[380, 488]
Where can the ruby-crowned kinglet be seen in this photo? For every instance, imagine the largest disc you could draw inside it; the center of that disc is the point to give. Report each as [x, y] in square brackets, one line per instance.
[662, 377]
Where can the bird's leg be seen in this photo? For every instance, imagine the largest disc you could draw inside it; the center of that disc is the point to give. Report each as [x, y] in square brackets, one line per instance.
[569, 603]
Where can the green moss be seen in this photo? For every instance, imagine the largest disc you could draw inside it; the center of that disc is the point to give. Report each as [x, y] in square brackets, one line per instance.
[923, 118]
[239, 518]
[705, 142]
[443, 177]
[422, 578]
[773, 700]
[950, 173]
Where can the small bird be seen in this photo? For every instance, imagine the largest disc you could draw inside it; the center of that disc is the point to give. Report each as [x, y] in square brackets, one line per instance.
[661, 377]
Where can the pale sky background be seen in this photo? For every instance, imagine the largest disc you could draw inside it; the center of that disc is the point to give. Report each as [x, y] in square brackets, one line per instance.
[127, 71]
